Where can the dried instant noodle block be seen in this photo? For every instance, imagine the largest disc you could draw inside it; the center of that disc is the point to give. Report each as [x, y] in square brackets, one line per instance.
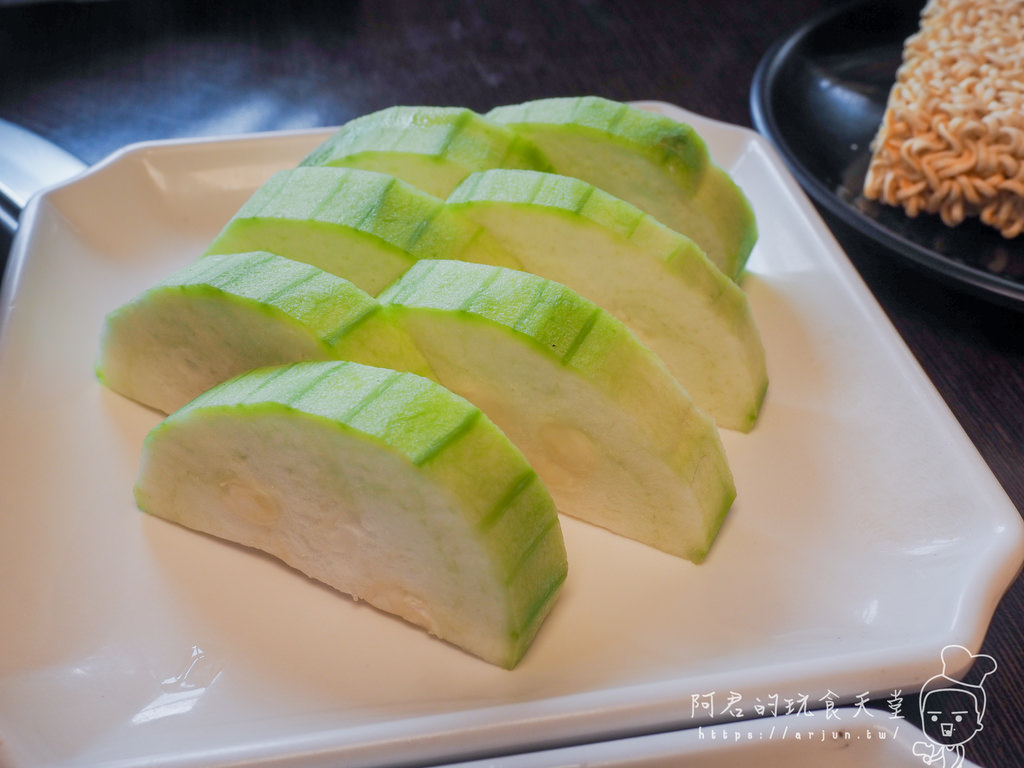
[952, 138]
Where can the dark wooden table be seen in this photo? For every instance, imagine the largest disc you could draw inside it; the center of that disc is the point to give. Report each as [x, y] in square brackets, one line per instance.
[94, 76]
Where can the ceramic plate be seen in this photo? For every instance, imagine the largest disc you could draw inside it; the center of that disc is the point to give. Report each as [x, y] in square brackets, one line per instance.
[820, 94]
[847, 739]
[868, 532]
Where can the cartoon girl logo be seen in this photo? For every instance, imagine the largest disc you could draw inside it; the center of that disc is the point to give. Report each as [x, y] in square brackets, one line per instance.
[951, 710]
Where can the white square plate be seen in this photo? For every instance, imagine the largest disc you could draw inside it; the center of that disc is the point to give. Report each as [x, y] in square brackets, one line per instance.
[868, 532]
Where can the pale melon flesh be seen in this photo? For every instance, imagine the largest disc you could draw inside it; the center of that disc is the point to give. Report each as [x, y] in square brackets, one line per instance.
[223, 315]
[381, 484]
[657, 281]
[432, 148]
[612, 434]
[364, 226]
[369, 228]
[656, 163]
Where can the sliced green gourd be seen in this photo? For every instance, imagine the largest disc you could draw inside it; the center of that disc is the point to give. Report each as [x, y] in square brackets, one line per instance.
[615, 438]
[658, 282]
[656, 163]
[363, 226]
[432, 148]
[383, 485]
[226, 314]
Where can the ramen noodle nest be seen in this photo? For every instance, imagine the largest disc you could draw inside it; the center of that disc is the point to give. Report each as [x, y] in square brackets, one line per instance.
[951, 141]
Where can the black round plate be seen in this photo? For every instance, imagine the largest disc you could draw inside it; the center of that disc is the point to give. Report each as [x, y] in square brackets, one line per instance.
[819, 96]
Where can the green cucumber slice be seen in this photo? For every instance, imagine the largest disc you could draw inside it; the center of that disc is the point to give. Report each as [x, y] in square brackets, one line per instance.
[381, 484]
[656, 163]
[223, 315]
[363, 226]
[615, 438]
[658, 282]
[432, 148]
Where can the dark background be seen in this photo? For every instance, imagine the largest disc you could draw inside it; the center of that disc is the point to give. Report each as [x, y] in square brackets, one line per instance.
[94, 76]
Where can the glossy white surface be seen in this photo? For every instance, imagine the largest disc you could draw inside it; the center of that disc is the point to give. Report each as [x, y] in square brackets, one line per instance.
[867, 535]
[841, 738]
